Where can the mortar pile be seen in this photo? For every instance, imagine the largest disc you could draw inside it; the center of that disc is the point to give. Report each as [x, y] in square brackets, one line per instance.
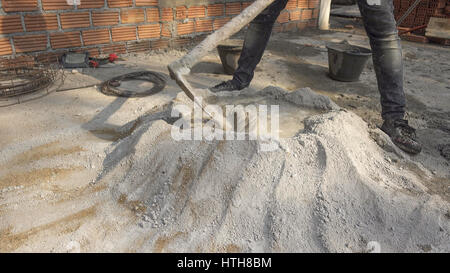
[328, 188]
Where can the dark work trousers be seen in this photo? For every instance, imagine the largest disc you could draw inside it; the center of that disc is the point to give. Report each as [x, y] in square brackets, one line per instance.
[380, 25]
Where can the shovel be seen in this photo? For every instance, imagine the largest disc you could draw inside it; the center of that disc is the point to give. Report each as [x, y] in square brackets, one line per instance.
[182, 67]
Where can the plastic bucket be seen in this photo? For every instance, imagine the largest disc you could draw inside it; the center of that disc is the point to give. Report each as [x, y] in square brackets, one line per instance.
[346, 62]
[229, 55]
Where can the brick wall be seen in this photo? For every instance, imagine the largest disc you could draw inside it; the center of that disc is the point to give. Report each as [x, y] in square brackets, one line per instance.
[120, 26]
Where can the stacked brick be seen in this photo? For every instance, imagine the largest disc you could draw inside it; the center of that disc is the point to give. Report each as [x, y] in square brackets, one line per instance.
[422, 13]
[298, 15]
[120, 26]
[443, 9]
[420, 16]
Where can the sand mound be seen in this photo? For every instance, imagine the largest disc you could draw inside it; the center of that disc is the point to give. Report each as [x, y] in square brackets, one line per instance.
[329, 188]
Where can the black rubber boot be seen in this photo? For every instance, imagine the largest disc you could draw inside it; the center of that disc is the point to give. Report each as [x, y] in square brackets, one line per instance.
[403, 135]
[230, 85]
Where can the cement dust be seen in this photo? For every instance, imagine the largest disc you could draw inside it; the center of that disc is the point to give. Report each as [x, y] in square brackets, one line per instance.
[329, 188]
[291, 110]
[290, 116]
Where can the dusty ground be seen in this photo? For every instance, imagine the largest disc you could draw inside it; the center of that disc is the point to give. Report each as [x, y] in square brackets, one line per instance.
[55, 149]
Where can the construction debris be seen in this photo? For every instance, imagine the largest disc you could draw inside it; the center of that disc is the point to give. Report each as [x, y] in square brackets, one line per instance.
[438, 28]
[412, 27]
[82, 60]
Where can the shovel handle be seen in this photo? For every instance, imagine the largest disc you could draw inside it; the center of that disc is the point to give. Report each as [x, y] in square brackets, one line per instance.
[184, 65]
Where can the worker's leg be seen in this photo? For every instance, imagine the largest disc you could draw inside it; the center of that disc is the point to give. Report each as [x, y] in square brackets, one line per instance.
[255, 42]
[378, 17]
[380, 25]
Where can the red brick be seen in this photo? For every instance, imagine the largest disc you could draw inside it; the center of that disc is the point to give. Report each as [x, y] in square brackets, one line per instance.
[74, 20]
[216, 10]
[96, 37]
[306, 14]
[91, 4]
[132, 16]
[19, 5]
[233, 8]
[141, 46]
[152, 15]
[313, 4]
[141, 3]
[277, 28]
[204, 25]
[65, 39]
[284, 17]
[93, 51]
[199, 38]
[220, 22]
[5, 46]
[303, 4]
[19, 61]
[291, 5]
[315, 13]
[312, 23]
[149, 31]
[39, 22]
[55, 4]
[186, 28]
[10, 24]
[162, 43]
[166, 30]
[123, 34]
[30, 43]
[49, 57]
[288, 27]
[197, 12]
[166, 15]
[181, 13]
[119, 3]
[246, 4]
[294, 15]
[117, 49]
[301, 25]
[105, 18]
[181, 42]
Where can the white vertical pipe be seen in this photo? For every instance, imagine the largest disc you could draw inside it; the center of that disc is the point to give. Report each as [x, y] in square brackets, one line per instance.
[324, 14]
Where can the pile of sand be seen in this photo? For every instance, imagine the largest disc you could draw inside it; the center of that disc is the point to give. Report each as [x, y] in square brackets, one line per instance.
[331, 187]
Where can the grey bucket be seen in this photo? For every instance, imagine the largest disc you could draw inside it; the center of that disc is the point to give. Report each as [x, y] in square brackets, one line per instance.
[346, 62]
[229, 53]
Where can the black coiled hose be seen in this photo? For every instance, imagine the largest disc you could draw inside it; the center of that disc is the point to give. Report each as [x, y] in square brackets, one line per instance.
[110, 87]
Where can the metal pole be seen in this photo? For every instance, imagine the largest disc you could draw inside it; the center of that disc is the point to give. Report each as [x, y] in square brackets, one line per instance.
[324, 14]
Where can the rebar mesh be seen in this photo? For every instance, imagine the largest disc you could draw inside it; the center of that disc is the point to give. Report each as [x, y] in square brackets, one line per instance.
[27, 75]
